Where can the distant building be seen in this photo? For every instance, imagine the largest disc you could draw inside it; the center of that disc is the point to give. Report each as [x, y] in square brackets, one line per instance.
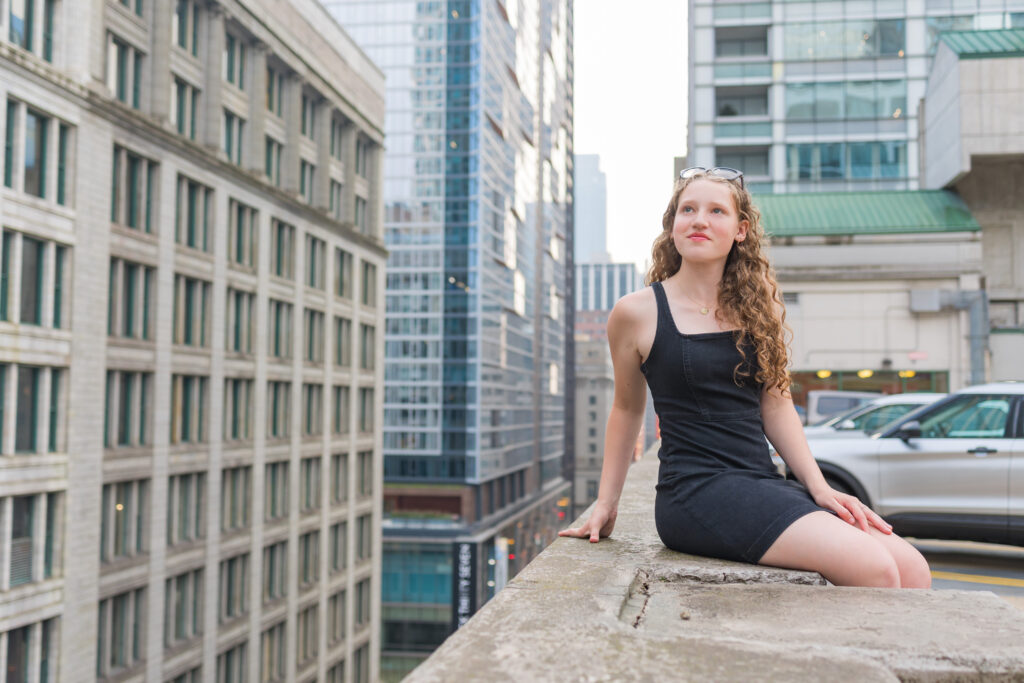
[600, 284]
[591, 235]
[595, 389]
[191, 336]
[478, 208]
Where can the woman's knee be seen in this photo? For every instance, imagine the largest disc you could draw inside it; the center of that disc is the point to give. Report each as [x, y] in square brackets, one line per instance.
[877, 569]
[914, 572]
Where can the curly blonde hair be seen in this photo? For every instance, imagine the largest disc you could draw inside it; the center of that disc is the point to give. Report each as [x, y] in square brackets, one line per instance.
[748, 294]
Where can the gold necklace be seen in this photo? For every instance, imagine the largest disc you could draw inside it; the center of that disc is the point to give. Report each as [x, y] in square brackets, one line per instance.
[704, 309]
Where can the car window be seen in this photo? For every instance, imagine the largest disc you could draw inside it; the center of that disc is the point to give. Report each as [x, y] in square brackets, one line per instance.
[968, 417]
[828, 405]
[873, 420]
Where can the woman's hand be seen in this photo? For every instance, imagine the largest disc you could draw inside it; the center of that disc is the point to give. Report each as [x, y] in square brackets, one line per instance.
[851, 510]
[599, 525]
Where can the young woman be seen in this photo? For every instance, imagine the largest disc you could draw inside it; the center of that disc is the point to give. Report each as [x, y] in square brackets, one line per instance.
[708, 336]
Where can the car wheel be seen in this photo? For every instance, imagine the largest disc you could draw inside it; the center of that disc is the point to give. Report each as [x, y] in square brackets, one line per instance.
[839, 485]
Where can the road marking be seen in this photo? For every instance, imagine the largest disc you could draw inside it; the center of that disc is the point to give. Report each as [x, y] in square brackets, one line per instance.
[975, 578]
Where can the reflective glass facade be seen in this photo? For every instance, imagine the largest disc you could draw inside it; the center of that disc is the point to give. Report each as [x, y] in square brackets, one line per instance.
[819, 96]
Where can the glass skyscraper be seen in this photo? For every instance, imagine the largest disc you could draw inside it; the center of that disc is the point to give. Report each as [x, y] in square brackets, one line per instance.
[478, 219]
[819, 96]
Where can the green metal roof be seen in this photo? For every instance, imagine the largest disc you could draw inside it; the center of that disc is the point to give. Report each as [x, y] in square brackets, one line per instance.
[864, 213]
[985, 44]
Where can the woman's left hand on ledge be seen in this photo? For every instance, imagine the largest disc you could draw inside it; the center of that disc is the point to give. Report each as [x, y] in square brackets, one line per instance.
[599, 525]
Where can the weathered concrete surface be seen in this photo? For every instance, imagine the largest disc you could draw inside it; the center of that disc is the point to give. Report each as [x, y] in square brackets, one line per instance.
[628, 609]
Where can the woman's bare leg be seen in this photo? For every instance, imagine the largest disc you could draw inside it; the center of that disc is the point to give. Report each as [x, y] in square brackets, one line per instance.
[846, 555]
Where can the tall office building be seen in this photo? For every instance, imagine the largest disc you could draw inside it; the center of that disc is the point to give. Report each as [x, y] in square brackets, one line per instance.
[478, 210]
[819, 96]
[191, 308]
[591, 206]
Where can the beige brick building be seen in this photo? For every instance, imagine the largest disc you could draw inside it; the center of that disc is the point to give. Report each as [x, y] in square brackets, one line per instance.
[191, 326]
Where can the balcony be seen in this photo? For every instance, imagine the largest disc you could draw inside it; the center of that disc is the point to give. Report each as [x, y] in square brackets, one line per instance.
[630, 609]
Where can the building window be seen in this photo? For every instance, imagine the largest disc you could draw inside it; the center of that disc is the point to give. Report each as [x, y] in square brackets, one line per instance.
[235, 498]
[364, 538]
[275, 90]
[307, 635]
[193, 202]
[184, 105]
[335, 204]
[185, 26]
[193, 675]
[125, 520]
[37, 128]
[191, 311]
[137, 4]
[186, 507]
[275, 499]
[36, 532]
[127, 399]
[342, 342]
[309, 558]
[22, 23]
[338, 559]
[336, 609]
[367, 347]
[43, 271]
[122, 632]
[342, 410]
[307, 172]
[188, 408]
[314, 327]
[241, 235]
[369, 285]
[240, 320]
[850, 39]
[237, 409]
[18, 645]
[309, 493]
[234, 61]
[130, 301]
[124, 71]
[134, 186]
[361, 220]
[282, 249]
[275, 563]
[308, 120]
[278, 409]
[234, 129]
[233, 588]
[365, 464]
[272, 161]
[183, 607]
[363, 597]
[362, 157]
[343, 273]
[231, 665]
[315, 250]
[272, 652]
[339, 478]
[279, 342]
[38, 425]
[366, 410]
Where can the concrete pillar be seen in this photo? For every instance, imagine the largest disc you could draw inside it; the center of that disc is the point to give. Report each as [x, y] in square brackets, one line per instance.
[211, 129]
[375, 202]
[160, 60]
[255, 160]
[322, 179]
[348, 157]
[292, 116]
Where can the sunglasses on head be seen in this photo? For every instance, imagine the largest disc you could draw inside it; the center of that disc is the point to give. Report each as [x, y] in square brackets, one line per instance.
[723, 172]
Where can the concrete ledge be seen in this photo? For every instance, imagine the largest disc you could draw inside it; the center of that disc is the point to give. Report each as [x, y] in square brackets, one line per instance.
[628, 608]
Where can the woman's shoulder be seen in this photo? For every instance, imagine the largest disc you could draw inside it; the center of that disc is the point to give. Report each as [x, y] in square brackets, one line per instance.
[635, 305]
[634, 317]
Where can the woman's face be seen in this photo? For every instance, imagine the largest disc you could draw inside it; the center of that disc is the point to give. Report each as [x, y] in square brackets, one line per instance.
[707, 223]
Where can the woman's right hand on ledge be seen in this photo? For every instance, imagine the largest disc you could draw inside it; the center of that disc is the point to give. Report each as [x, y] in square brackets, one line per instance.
[599, 525]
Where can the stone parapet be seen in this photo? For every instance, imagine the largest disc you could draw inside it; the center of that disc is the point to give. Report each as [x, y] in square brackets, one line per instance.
[628, 608]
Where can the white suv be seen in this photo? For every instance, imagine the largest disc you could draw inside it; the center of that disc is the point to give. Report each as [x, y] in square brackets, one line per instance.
[870, 417]
[953, 469]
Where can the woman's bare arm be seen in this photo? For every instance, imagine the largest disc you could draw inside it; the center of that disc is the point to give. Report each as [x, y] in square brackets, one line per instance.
[783, 428]
[624, 420]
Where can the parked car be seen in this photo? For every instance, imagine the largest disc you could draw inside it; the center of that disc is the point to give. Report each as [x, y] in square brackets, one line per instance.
[824, 403]
[870, 417]
[952, 470]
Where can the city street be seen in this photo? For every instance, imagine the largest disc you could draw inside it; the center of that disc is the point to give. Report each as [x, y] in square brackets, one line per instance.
[976, 566]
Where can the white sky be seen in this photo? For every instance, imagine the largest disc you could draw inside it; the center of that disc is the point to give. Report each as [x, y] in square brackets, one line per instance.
[630, 107]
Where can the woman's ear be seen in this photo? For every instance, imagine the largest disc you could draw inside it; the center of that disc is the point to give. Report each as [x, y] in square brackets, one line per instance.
[742, 234]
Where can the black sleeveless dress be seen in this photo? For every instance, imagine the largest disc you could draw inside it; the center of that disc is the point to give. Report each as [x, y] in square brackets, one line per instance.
[718, 493]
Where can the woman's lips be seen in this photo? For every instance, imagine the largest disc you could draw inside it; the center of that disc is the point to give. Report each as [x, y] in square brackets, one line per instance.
[698, 237]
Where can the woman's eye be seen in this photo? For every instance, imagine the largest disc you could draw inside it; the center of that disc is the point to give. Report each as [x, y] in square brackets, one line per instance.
[717, 210]
[687, 209]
